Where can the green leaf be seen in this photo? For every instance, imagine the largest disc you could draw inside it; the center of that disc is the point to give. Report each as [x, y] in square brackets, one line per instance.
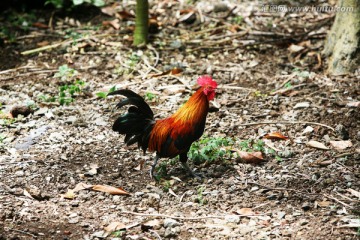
[101, 94]
[77, 2]
[99, 3]
[112, 89]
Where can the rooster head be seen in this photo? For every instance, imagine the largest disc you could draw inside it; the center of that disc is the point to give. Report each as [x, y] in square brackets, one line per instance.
[208, 85]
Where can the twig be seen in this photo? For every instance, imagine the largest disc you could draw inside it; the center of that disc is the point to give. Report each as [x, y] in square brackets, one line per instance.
[272, 147]
[281, 189]
[182, 218]
[155, 233]
[235, 88]
[55, 45]
[229, 13]
[23, 232]
[282, 122]
[157, 56]
[344, 154]
[337, 200]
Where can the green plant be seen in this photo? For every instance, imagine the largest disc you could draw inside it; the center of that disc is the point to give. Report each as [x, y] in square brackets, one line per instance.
[166, 185]
[47, 98]
[118, 233]
[105, 94]
[133, 60]
[288, 85]
[65, 73]
[2, 138]
[161, 170]
[61, 3]
[67, 92]
[238, 19]
[200, 195]
[210, 149]
[278, 158]
[260, 94]
[7, 121]
[71, 34]
[150, 96]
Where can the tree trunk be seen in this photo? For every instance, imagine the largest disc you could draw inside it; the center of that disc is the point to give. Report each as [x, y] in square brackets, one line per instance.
[342, 46]
[141, 22]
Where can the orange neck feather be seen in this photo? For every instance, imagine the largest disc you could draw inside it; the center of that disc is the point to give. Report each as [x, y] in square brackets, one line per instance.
[196, 108]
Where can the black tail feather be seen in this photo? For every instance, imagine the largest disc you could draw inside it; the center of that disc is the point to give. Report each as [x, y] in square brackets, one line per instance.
[133, 99]
[138, 122]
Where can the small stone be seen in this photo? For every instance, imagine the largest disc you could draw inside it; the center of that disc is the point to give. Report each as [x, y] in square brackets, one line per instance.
[342, 132]
[301, 105]
[21, 110]
[287, 153]
[220, 7]
[306, 206]
[20, 173]
[281, 215]
[116, 198]
[41, 111]
[70, 120]
[171, 232]
[100, 122]
[303, 222]
[99, 234]
[74, 220]
[138, 194]
[169, 222]
[72, 215]
[232, 219]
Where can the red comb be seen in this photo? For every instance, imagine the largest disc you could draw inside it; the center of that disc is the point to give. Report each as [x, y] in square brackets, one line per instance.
[206, 80]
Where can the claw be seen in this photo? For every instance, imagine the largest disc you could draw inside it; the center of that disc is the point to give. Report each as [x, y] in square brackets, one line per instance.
[184, 164]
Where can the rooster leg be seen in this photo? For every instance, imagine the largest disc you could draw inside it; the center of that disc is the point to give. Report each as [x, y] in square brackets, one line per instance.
[153, 167]
[183, 160]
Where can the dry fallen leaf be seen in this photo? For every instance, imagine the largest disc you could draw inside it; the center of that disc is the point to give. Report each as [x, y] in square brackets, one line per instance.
[40, 25]
[340, 145]
[82, 186]
[174, 71]
[353, 192]
[93, 169]
[110, 189]
[152, 224]
[27, 194]
[295, 48]
[316, 144]
[110, 10]
[114, 226]
[125, 15]
[114, 23]
[245, 211]
[250, 157]
[275, 135]
[353, 104]
[324, 203]
[140, 166]
[70, 194]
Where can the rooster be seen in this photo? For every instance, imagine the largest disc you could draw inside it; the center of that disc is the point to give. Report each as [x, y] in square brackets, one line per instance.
[169, 137]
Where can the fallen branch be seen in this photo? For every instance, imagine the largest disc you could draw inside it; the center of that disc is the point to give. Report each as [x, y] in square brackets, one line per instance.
[281, 122]
[55, 45]
[337, 200]
[183, 218]
[23, 232]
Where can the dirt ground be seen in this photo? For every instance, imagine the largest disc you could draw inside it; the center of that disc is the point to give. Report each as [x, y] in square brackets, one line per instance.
[272, 78]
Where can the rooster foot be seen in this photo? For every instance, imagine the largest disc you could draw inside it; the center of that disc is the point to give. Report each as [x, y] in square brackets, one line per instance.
[194, 175]
[152, 170]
